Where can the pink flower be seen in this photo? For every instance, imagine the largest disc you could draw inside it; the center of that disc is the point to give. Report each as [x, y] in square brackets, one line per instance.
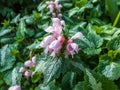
[27, 74]
[29, 63]
[15, 88]
[58, 7]
[77, 35]
[22, 70]
[71, 48]
[57, 26]
[55, 46]
[47, 40]
[51, 6]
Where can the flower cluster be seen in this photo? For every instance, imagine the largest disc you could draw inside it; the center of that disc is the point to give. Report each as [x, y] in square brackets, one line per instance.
[55, 6]
[28, 64]
[54, 42]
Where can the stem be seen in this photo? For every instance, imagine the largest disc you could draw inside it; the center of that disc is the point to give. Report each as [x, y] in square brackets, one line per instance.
[116, 20]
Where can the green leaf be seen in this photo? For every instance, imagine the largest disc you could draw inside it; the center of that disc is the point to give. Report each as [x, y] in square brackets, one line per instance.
[4, 32]
[93, 82]
[112, 71]
[114, 44]
[13, 77]
[68, 80]
[16, 19]
[73, 11]
[111, 6]
[41, 6]
[7, 58]
[51, 86]
[36, 77]
[34, 45]
[49, 66]
[80, 3]
[91, 43]
[52, 70]
[21, 30]
[78, 86]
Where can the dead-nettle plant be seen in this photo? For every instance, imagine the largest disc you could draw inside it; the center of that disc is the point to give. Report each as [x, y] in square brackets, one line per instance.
[55, 44]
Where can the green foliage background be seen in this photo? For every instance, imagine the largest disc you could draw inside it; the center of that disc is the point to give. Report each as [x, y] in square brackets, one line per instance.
[95, 67]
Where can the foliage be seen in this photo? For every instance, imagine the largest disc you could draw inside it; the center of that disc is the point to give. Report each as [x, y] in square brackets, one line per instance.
[95, 67]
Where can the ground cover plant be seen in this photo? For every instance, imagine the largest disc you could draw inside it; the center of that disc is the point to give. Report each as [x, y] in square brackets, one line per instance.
[60, 45]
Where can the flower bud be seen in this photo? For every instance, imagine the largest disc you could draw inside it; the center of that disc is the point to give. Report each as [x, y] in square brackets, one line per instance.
[22, 70]
[29, 63]
[34, 59]
[27, 74]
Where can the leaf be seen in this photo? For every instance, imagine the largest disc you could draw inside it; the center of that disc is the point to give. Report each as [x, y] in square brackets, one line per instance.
[13, 76]
[51, 86]
[90, 44]
[16, 19]
[21, 30]
[68, 81]
[52, 70]
[34, 45]
[41, 6]
[4, 32]
[93, 82]
[36, 77]
[73, 11]
[78, 86]
[111, 6]
[7, 59]
[49, 66]
[112, 71]
[114, 44]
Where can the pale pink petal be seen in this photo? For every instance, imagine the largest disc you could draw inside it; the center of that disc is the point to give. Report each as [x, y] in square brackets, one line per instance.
[75, 47]
[47, 49]
[47, 40]
[53, 54]
[55, 45]
[56, 21]
[58, 7]
[71, 48]
[63, 22]
[77, 35]
[50, 29]
[51, 8]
